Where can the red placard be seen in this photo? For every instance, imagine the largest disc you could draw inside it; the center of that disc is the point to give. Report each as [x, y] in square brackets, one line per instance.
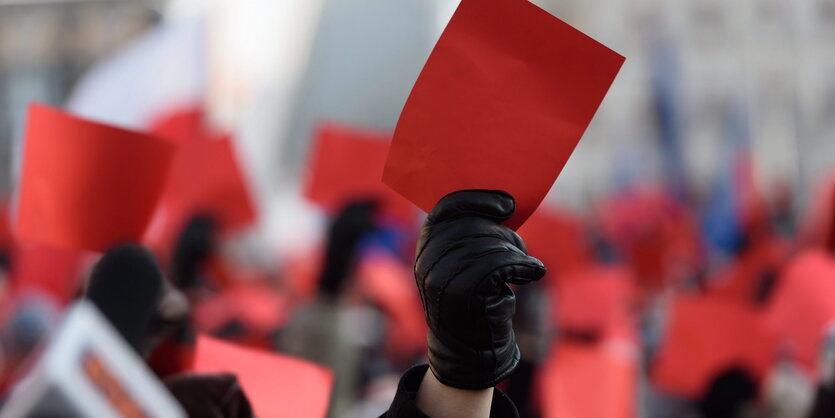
[581, 381]
[277, 385]
[205, 178]
[598, 299]
[653, 232]
[86, 185]
[390, 284]
[740, 280]
[258, 307]
[818, 223]
[558, 239]
[705, 336]
[801, 310]
[347, 163]
[501, 103]
[40, 268]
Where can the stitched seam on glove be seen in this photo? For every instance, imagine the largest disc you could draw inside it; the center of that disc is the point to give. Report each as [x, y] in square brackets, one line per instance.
[459, 242]
[458, 270]
[481, 360]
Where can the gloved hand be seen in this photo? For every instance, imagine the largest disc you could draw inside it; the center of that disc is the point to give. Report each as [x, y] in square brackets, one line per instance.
[465, 260]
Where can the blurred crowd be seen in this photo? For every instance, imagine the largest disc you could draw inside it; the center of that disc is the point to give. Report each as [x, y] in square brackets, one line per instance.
[689, 242]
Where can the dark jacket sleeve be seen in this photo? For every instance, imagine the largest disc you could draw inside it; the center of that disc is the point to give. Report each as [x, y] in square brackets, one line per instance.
[824, 405]
[405, 401]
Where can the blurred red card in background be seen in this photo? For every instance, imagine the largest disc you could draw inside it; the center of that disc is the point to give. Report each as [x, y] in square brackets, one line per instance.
[801, 309]
[558, 239]
[45, 269]
[501, 103]
[818, 223]
[653, 232]
[276, 385]
[259, 308]
[596, 300]
[705, 336]
[7, 240]
[389, 284]
[346, 163]
[206, 177]
[300, 272]
[580, 381]
[86, 185]
[741, 279]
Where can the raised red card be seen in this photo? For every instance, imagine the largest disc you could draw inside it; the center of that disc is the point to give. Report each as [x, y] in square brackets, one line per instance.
[801, 310]
[86, 185]
[501, 103]
[259, 308]
[558, 239]
[740, 280]
[389, 284]
[6, 233]
[580, 381]
[653, 232]
[818, 223]
[44, 269]
[704, 337]
[276, 385]
[346, 163]
[598, 299]
[300, 272]
[206, 178]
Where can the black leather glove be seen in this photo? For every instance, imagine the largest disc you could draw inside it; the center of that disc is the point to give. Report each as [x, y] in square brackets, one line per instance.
[465, 260]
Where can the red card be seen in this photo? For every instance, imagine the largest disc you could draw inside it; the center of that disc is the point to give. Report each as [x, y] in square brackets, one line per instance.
[801, 309]
[390, 284]
[818, 223]
[205, 177]
[741, 278]
[347, 163]
[300, 274]
[590, 381]
[258, 307]
[276, 385]
[704, 337]
[6, 233]
[558, 239]
[87, 185]
[54, 271]
[596, 298]
[501, 103]
[653, 232]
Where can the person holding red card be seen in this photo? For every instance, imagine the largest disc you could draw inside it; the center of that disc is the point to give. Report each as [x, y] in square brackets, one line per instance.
[466, 260]
[497, 110]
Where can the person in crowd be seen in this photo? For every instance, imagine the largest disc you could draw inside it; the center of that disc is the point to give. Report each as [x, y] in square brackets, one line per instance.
[315, 332]
[466, 261]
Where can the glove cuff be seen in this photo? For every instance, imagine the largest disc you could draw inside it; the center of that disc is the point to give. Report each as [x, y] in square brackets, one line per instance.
[471, 369]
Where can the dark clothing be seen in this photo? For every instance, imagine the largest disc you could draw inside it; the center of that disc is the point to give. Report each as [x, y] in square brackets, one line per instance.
[404, 404]
[824, 405]
[210, 395]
